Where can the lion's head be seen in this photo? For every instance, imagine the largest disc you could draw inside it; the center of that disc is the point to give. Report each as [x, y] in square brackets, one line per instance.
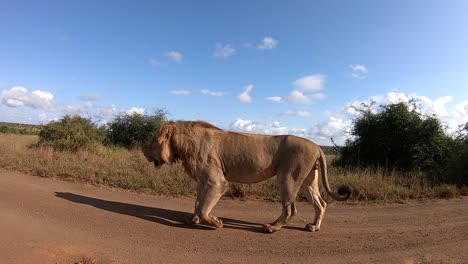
[160, 150]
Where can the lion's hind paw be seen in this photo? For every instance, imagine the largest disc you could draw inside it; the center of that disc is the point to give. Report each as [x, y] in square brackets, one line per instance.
[267, 228]
[311, 227]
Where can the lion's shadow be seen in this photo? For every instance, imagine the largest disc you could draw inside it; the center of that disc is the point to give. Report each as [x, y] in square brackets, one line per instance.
[154, 214]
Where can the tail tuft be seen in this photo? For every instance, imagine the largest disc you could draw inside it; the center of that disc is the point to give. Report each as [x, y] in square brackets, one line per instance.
[345, 192]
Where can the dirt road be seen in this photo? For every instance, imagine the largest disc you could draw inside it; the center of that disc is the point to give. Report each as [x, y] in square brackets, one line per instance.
[50, 221]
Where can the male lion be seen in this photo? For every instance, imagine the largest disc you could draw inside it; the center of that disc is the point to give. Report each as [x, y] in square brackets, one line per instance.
[215, 157]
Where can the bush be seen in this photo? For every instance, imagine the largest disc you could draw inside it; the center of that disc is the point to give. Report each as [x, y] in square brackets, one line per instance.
[399, 138]
[458, 166]
[134, 130]
[4, 129]
[71, 133]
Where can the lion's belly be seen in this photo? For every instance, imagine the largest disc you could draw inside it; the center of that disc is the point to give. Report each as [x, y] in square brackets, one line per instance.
[249, 176]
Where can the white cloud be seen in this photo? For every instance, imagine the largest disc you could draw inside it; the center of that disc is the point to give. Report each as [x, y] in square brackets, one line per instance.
[358, 76]
[428, 107]
[317, 96]
[42, 117]
[358, 71]
[155, 62]
[298, 97]
[72, 110]
[175, 56]
[223, 51]
[90, 97]
[460, 110]
[101, 113]
[275, 128]
[245, 95]
[338, 125]
[105, 112]
[311, 83]
[299, 113]
[181, 92]
[276, 99]
[268, 43]
[135, 110]
[438, 106]
[19, 96]
[358, 68]
[306, 90]
[212, 93]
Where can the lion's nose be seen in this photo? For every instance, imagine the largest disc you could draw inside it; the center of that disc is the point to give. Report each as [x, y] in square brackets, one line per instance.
[156, 163]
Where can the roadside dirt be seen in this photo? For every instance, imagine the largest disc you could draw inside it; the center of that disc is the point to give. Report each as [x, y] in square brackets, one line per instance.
[50, 221]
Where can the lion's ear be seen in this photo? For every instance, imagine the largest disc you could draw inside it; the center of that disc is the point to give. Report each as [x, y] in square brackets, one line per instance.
[165, 142]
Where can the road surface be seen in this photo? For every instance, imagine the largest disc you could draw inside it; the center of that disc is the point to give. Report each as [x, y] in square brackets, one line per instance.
[52, 221]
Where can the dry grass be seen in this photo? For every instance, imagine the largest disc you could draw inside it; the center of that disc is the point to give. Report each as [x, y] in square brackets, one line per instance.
[102, 166]
[129, 170]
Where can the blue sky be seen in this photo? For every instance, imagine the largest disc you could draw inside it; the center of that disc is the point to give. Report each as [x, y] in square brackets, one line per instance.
[271, 67]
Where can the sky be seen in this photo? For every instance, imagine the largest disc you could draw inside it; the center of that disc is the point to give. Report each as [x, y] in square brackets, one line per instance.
[269, 67]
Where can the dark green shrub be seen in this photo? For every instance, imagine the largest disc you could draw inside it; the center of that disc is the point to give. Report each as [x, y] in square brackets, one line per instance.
[397, 138]
[134, 130]
[4, 129]
[71, 133]
[458, 165]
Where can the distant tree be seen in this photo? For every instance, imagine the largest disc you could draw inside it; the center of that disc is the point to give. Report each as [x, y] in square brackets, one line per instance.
[458, 165]
[134, 130]
[71, 133]
[398, 137]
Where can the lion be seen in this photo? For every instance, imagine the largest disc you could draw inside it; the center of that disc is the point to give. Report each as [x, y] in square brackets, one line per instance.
[214, 157]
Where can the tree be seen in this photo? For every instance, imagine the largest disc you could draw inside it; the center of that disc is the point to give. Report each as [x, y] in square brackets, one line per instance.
[397, 137]
[134, 130]
[71, 133]
[458, 165]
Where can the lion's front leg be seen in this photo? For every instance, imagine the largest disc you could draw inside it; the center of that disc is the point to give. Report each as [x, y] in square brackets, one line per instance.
[195, 219]
[213, 189]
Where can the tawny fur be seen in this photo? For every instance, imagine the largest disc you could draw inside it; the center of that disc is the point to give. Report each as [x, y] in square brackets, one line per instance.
[215, 157]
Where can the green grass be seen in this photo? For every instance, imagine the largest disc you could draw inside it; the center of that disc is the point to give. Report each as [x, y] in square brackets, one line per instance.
[121, 168]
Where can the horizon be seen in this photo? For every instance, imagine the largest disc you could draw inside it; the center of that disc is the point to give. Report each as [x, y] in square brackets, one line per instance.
[270, 68]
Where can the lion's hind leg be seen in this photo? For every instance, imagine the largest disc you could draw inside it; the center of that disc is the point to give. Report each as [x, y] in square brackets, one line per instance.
[289, 187]
[288, 212]
[311, 191]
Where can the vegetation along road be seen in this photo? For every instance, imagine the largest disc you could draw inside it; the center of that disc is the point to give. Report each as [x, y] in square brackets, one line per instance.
[51, 221]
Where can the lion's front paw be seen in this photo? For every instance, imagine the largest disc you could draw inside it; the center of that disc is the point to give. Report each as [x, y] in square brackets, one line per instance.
[267, 228]
[195, 220]
[311, 228]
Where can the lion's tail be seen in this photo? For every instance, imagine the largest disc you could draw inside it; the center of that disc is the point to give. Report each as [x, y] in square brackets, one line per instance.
[344, 192]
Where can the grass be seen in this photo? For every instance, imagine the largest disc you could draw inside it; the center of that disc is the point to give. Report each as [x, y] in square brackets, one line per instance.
[121, 168]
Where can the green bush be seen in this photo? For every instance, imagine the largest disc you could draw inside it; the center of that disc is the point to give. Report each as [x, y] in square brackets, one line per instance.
[4, 129]
[134, 130]
[397, 138]
[458, 165]
[71, 133]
